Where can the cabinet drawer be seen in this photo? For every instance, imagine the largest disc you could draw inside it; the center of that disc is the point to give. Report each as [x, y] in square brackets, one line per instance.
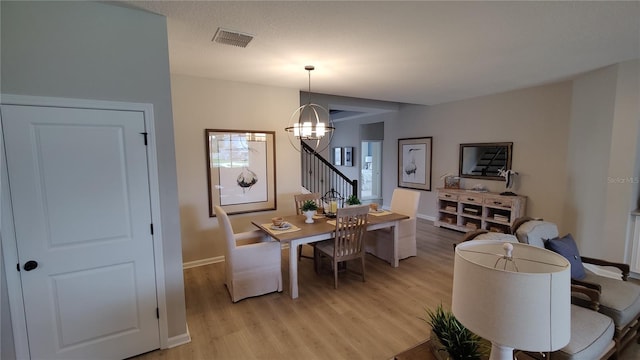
[448, 196]
[473, 199]
[505, 203]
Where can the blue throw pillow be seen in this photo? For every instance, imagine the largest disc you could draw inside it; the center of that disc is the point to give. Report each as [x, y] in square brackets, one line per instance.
[566, 247]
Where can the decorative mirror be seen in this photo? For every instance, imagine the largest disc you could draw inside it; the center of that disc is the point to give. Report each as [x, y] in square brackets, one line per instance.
[484, 160]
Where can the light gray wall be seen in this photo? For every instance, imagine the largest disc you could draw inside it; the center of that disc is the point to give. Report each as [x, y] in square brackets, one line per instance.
[575, 148]
[373, 131]
[602, 183]
[588, 150]
[93, 50]
[623, 162]
[535, 119]
[347, 132]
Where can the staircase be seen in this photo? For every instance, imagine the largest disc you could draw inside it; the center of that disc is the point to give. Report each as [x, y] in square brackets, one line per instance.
[490, 161]
[319, 176]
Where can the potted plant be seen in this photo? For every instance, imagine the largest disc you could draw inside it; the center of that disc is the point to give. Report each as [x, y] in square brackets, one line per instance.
[353, 200]
[451, 340]
[309, 208]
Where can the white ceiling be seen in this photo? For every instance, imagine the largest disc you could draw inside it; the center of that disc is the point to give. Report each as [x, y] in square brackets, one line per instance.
[412, 52]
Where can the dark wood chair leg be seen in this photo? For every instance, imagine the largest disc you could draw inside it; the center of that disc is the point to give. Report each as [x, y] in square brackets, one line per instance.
[317, 258]
[335, 274]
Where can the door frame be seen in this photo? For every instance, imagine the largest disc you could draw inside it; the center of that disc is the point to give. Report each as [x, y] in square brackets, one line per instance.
[7, 232]
[379, 162]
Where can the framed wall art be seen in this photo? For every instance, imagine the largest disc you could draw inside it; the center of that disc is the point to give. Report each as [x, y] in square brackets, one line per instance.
[414, 163]
[337, 156]
[241, 170]
[348, 156]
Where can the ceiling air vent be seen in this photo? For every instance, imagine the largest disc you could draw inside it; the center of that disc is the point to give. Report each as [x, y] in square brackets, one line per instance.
[232, 37]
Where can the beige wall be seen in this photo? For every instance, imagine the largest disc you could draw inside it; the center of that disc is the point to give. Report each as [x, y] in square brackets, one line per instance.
[199, 104]
[563, 149]
[535, 119]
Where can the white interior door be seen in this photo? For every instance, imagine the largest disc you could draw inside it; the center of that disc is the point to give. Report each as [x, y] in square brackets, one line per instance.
[80, 198]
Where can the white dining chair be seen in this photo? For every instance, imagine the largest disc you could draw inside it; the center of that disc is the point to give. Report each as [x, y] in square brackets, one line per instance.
[380, 242]
[252, 261]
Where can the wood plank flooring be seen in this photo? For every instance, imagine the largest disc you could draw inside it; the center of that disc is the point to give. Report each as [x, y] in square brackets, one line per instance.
[360, 320]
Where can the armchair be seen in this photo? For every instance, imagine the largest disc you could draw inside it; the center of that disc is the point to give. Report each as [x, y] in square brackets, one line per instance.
[379, 242]
[252, 261]
[619, 299]
[591, 332]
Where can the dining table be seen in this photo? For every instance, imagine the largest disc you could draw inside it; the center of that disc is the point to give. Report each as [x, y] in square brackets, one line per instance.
[297, 232]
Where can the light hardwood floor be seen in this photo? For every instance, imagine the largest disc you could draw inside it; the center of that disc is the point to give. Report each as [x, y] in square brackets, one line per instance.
[371, 320]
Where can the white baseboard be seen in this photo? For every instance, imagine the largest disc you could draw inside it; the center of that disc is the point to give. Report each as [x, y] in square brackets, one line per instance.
[179, 339]
[426, 217]
[598, 270]
[202, 262]
[212, 260]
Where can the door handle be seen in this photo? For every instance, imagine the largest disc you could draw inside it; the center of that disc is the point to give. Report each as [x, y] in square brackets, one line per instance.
[30, 265]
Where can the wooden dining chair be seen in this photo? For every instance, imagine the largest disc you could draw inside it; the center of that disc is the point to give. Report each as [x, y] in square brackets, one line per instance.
[348, 243]
[299, 200]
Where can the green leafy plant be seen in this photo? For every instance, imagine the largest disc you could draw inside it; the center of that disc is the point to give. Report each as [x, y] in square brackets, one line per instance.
[309, 205]
[457, 340]
[353, 200]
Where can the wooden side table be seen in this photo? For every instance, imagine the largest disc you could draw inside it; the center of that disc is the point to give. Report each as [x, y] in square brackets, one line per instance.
[422, 351]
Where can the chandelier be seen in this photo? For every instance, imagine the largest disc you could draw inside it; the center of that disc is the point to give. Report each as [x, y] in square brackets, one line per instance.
[306, 123]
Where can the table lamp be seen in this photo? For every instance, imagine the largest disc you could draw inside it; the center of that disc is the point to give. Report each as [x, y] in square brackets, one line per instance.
[515, 295]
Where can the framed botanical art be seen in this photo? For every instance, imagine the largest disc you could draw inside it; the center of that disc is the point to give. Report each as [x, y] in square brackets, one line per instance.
[241, 170]
[414, 163]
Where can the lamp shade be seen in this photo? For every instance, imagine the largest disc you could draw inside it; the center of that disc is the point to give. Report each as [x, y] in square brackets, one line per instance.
[527, 309]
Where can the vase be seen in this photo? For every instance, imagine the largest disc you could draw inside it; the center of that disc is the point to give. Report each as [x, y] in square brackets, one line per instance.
[438, 349]
[309, 214]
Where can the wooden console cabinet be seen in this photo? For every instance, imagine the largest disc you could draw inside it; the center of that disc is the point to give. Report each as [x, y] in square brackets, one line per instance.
[466, 210]
[635, 245]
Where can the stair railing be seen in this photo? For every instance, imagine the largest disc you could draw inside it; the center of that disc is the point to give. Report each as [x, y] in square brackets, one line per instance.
[320, 176]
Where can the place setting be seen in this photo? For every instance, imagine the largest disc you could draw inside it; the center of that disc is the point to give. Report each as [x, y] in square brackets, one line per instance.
[375, 211]
[278, 226]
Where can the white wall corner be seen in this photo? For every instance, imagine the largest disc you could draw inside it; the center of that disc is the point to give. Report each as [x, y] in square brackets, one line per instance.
[212, 260]
[426, 217]
[179, 339]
